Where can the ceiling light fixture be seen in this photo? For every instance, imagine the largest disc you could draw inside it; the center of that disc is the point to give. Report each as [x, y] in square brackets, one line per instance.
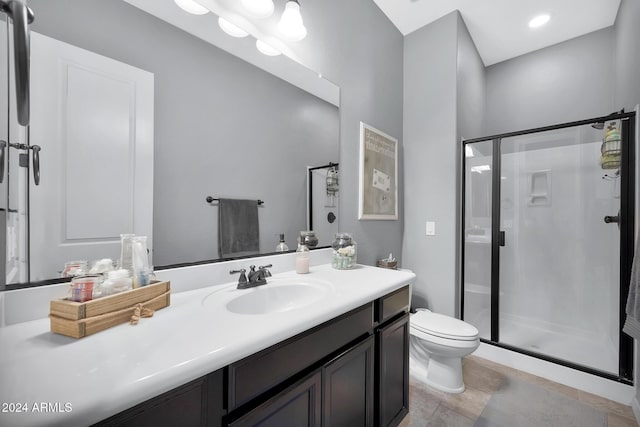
[192, 7]
[539, 21]
[231, 29]
[259, 8]
[290, 24]
[267, 49]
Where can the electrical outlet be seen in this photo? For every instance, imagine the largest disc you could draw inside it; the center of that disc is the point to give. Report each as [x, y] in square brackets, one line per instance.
[431, 228]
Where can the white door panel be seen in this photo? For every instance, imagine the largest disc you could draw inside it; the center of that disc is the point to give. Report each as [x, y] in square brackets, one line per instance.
[93, 118]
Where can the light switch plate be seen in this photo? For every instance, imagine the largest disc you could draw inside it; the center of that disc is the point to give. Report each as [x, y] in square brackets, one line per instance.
[431, 228]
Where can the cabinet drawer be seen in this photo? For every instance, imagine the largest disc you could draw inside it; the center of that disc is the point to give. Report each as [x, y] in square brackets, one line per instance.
[253, 375]
[299, 405]
[392, 304]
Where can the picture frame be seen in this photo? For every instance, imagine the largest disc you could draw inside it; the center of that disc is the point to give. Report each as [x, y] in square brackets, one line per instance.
[378, 195]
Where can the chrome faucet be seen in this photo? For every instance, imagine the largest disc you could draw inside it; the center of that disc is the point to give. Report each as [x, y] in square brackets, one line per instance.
[255, 277]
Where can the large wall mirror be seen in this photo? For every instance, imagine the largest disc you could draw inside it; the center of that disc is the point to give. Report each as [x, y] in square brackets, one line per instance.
[140, 118]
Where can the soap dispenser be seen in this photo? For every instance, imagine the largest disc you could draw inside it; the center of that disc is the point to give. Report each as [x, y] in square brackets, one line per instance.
[282, 246]
[302, 259]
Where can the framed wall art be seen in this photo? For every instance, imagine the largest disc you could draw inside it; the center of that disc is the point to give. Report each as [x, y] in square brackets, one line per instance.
[378, 175]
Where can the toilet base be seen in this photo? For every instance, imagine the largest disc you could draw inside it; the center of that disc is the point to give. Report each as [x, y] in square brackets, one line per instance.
[445, 374]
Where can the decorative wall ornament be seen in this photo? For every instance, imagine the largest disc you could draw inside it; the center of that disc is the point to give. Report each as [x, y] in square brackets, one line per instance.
[378, 175]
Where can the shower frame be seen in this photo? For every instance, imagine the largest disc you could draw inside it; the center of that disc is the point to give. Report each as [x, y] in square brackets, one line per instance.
[627, 238]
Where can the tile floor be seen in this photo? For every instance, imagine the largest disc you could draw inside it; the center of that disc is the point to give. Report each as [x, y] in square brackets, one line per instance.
[483, 379]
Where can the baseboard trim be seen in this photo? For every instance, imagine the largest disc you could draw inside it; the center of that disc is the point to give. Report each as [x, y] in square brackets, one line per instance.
[636, 408]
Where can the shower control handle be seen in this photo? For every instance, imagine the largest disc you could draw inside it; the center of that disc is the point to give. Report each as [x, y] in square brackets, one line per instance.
[609, 219]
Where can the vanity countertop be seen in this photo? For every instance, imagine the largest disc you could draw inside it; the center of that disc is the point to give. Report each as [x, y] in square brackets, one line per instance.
[56, 380]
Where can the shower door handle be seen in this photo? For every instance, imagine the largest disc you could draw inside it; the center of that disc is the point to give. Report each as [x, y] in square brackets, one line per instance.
[501, 239]
[21, 16]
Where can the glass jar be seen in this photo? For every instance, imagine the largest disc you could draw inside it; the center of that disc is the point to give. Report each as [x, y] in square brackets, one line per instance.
[126, 252]
[344, 252]
[82, 287]
[75, 268]
[308, 238]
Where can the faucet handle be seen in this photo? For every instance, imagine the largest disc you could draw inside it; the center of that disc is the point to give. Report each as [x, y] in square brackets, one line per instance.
[242, 280]
[264, 270]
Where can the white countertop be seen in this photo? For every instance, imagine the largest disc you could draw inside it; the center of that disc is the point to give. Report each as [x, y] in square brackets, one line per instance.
[82, 381]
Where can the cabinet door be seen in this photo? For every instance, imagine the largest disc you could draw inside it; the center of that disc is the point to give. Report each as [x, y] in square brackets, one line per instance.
[392, 388]
[298, 405]
[198, 403]
[348, 387]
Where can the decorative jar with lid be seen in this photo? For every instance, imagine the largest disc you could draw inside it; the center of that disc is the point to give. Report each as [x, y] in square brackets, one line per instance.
[344, 251]
[308, 238]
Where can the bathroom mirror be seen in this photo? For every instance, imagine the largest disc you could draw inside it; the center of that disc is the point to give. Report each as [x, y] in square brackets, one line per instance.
[222, 127]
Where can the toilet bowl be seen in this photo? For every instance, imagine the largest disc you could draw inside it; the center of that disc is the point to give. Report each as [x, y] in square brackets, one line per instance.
[438, 344]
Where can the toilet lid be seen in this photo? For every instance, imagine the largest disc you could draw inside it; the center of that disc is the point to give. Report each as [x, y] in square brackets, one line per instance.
[443, 326]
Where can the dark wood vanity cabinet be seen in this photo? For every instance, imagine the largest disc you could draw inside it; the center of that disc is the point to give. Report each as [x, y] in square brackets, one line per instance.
[350, 371]
[348, 387]
[197, 403]
[340, 393]
[392, 371]
[298, 405]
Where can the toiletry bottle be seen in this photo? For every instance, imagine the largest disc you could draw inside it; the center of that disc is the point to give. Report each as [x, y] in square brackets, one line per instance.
[141, 269]
[282, 246]
[302, 259]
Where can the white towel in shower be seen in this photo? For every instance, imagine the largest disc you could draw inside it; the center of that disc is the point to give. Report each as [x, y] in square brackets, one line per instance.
[632, 324]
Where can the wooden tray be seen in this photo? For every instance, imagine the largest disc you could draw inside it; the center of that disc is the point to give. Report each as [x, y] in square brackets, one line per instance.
[79, 319]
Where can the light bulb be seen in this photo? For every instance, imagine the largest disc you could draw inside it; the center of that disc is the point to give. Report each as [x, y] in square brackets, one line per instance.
[231, 29]
[290, 24]
[192, 7]
[259, 8]
[266, 49]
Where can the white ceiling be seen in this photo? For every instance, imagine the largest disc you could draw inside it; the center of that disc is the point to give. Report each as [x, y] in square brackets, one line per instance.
[500, 28]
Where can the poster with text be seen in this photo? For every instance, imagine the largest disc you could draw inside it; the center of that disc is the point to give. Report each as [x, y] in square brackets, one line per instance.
[378, 174]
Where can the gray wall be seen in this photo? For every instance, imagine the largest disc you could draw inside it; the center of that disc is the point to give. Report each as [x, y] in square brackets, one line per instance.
[431, 156]
[470, 122]
[627, 53]
[353, 44]
[222, 126]
[569, 81]
[471, 87]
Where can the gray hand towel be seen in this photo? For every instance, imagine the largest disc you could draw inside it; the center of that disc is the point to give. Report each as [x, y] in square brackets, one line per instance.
[238, 231]
[632, 323]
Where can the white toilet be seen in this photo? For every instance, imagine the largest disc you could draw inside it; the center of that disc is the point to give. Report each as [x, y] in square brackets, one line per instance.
[438, 344]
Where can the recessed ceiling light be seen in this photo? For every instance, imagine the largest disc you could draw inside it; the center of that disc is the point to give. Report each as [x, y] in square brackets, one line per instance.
[192, 7]
[539, 21]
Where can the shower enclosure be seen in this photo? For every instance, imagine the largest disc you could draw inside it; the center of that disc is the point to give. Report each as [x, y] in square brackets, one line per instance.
[548, 241]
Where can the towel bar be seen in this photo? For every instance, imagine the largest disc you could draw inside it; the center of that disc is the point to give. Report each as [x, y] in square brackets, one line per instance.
[211, 200]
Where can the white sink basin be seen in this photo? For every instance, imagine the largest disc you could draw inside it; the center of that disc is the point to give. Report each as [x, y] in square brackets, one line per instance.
[277, 296]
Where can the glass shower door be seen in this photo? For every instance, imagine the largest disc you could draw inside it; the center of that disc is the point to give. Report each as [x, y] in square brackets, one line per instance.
[559, 269]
